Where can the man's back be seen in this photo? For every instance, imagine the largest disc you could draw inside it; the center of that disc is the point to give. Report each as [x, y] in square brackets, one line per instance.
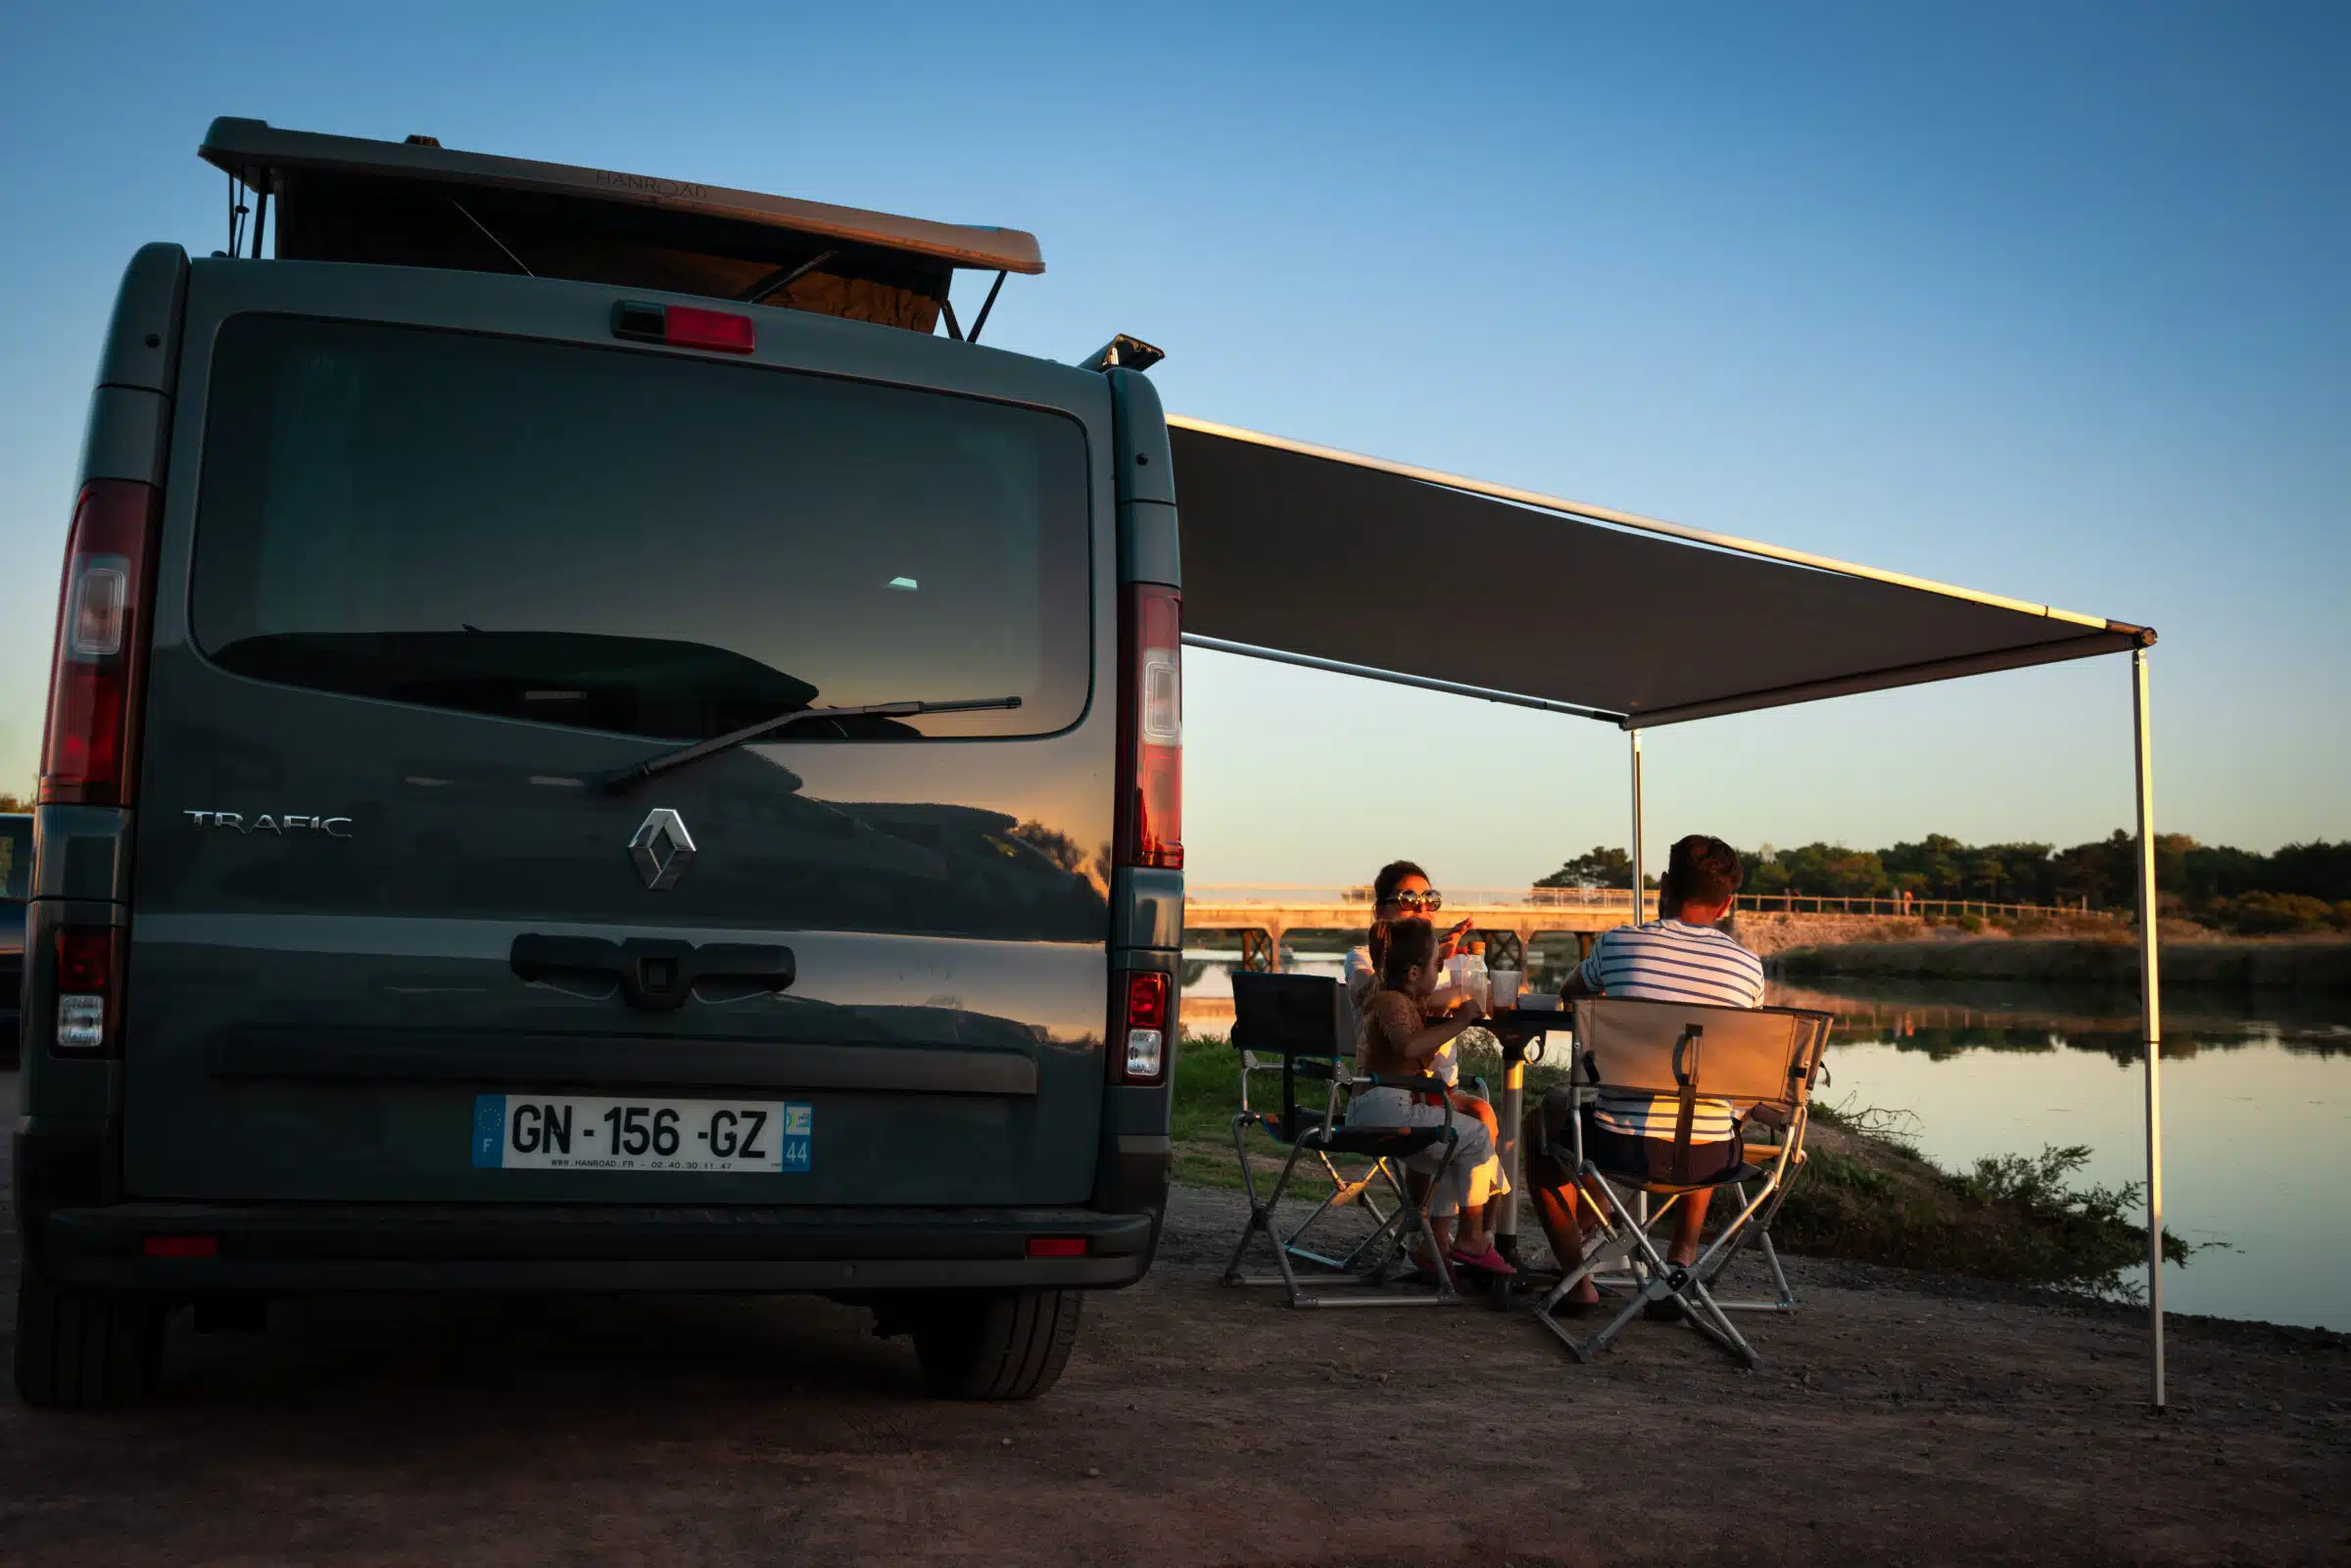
[1669, 961]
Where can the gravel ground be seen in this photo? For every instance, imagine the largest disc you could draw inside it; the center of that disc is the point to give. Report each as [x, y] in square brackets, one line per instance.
[1898, 1420]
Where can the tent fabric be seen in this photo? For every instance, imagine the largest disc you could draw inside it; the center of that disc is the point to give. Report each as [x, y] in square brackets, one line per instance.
[1325, 557]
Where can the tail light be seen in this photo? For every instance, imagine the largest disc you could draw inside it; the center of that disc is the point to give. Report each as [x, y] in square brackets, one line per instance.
[680, 326]
[1150, 828]
[88, 749]
[89, 989]
[1140, 1041]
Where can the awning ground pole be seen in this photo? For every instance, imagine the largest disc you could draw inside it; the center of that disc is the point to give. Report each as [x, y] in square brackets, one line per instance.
[2150, 1007]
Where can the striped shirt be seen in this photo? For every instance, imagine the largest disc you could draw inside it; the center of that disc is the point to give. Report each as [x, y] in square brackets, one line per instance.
[1667, 960]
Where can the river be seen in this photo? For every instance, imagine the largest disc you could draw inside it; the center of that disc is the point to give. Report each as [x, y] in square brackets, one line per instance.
[2256, 1096]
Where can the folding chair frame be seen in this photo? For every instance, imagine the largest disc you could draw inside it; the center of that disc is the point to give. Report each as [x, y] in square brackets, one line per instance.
[1624, 1233]
[1344, 1190]
[1349, 1285]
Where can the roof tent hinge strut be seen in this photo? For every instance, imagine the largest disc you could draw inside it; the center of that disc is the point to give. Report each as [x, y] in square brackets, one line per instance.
[947, 313]
[491, 238]
[784, 277]
[236, 215]
[985, 306]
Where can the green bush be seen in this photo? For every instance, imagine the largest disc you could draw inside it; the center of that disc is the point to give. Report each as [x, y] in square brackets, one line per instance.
[1971, 924]
[2273, 915]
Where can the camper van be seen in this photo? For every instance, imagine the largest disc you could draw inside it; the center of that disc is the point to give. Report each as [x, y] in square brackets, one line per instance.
[597, 741]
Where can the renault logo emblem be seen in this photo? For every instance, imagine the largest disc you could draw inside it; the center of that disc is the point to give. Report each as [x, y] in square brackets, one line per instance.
[663, 849]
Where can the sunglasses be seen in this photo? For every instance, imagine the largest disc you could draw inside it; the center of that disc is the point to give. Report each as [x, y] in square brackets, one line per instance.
[1427, 903]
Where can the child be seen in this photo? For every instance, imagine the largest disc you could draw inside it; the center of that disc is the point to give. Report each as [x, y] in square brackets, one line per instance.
[1399, 1040]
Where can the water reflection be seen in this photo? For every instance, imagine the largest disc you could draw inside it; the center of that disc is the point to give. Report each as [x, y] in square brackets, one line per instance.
[1947, 1017]
[2256, 1113]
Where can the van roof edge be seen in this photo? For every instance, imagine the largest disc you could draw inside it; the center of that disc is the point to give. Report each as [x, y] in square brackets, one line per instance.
[250, 148]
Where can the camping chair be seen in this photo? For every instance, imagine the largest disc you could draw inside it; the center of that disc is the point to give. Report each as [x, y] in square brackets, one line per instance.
[1764, 1060]
[1291, 1023]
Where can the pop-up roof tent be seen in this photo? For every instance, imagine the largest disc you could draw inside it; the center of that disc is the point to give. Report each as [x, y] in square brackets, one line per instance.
[418, 203]
[1285, 545]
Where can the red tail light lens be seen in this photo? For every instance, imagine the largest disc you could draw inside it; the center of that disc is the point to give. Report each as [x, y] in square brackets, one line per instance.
[1150, 829]
[1140, 1041]
[1057, 1246]
[88, 752]
[181, 1245]
[89, 991]
[682, 326]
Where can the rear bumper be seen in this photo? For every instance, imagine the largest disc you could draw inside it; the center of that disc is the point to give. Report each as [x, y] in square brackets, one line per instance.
[321, 1246]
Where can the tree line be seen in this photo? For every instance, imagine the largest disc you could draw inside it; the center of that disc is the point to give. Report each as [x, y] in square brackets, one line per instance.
[2299, 887]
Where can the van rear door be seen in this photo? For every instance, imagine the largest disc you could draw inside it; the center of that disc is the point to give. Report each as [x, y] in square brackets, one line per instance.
[442, 555]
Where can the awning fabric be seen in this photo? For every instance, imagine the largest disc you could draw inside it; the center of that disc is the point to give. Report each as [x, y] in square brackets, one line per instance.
[1321, 555]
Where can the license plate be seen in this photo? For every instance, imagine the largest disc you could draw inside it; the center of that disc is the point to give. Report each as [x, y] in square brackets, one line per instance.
[580, 1132]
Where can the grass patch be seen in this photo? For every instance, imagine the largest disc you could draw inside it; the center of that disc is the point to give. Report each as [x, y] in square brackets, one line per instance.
[1865, 1193]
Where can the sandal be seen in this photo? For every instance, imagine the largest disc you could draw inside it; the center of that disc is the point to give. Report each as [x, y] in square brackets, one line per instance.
[1488, 1262]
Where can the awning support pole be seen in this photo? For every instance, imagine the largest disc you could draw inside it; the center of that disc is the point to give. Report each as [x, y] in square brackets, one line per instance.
[1641, 1199]
[1637, 882]
[2150, 1009]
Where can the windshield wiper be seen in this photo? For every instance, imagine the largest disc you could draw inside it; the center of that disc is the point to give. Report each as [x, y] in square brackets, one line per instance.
[662, 763]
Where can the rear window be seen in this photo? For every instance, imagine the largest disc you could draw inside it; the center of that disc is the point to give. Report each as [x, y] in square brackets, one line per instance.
[633, 542]
[16, 857]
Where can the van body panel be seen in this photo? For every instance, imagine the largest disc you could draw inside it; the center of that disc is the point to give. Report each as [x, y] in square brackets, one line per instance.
[346, 865]
[142, 339]
[126, 435]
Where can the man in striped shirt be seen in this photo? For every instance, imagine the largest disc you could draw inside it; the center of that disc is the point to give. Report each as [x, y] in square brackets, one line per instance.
[1679, 957]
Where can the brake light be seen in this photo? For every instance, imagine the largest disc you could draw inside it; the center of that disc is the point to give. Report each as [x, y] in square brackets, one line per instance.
[181, 1245]
[1150, 830]
[1139, 1043]
[88, 749]
[1057, 1246]
[88, 987]
[682, 326]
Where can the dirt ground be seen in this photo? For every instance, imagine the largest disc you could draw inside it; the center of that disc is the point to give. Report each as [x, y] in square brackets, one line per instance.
[1896, 1420]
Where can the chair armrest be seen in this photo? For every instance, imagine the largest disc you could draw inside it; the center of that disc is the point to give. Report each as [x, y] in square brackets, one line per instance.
[1770, 1116]
[1419, 1082]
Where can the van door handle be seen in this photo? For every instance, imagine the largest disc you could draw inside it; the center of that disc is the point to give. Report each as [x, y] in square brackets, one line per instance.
[655, 975]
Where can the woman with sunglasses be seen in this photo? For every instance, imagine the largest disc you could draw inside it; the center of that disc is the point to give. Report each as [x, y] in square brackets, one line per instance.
[1402, 891]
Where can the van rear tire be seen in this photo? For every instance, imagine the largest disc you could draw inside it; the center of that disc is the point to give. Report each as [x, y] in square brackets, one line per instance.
[1007, 1346]
[85, 1350]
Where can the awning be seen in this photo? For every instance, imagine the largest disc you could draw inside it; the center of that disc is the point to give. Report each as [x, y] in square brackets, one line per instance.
[1314, 556]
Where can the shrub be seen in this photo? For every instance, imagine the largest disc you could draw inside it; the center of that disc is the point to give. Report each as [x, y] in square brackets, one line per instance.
[1971, 924]
[2270, 914]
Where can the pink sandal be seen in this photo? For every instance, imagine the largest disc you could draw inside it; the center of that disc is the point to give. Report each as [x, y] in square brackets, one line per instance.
[1488, 1262]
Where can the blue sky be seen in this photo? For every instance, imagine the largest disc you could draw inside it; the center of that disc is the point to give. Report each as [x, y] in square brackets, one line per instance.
[2053, 301]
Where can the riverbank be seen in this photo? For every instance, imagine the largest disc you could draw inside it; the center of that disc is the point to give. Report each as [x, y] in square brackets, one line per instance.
[2239, 965]
[1865, 1197]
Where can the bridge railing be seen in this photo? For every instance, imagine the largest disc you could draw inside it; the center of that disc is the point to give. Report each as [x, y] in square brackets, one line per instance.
[1296, 895]
[1912, 908]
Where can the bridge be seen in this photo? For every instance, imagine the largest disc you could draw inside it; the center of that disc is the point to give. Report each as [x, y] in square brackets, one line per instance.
[1555, 926]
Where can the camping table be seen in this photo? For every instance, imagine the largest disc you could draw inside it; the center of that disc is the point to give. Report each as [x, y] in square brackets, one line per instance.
[1516, 1029]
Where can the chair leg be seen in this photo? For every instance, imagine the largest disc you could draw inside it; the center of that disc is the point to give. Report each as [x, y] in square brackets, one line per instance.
[1659, 1278]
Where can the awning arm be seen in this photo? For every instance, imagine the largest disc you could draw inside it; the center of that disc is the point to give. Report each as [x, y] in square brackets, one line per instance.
[2088, 645]
[1250, 650]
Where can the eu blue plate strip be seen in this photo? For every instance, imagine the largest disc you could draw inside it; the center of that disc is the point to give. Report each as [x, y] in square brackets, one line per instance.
[489, 1131]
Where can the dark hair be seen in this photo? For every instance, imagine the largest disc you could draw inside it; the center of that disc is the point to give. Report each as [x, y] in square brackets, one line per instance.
[1410, 943]
[1383, 885]
[1698, 871]
[1378, 944]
